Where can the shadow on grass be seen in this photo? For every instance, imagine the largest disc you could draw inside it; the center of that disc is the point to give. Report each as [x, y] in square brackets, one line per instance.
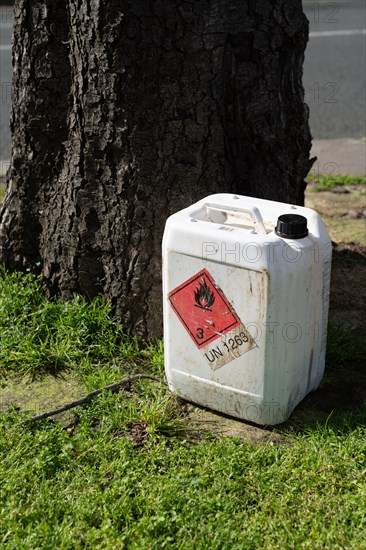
[341, 396]
[340, 400]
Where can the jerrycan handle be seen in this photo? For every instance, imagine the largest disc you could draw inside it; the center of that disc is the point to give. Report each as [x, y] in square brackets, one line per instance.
[228, 212]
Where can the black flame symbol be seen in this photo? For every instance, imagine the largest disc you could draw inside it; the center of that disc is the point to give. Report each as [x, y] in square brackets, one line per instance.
[203, 296]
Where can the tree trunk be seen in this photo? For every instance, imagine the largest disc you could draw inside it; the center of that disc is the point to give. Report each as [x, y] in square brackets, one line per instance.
[127, 111]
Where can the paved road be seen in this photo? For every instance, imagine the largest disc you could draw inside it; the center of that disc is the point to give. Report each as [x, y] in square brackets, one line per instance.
[334, 70]
[5, 82]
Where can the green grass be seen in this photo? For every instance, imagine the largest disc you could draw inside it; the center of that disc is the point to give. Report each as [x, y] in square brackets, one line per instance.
[97, 489]
[40, 335]
[327, 182]
[2, 191]
[130, 473]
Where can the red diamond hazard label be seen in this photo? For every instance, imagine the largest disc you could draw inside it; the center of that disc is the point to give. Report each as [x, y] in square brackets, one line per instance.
[203, 309]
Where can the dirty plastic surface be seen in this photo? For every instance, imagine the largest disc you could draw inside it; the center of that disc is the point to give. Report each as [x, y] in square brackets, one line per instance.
[245, 310]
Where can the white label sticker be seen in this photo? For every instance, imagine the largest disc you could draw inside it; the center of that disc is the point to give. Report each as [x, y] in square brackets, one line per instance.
[230, 346]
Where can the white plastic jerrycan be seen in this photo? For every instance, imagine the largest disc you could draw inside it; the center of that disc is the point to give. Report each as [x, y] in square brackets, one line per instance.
[246, 293]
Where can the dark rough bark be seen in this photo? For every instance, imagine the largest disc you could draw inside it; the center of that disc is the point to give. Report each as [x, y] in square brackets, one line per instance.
[125, 112]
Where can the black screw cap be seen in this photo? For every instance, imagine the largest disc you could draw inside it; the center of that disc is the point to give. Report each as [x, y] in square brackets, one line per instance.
[292, 226]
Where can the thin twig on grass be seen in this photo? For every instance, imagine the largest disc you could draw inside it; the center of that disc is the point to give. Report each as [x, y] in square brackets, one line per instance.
[89, 397]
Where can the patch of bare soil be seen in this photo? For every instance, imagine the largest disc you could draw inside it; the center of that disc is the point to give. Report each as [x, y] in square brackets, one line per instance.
[40, 395]
[348, 284]
[205, 421]
[343, 209]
